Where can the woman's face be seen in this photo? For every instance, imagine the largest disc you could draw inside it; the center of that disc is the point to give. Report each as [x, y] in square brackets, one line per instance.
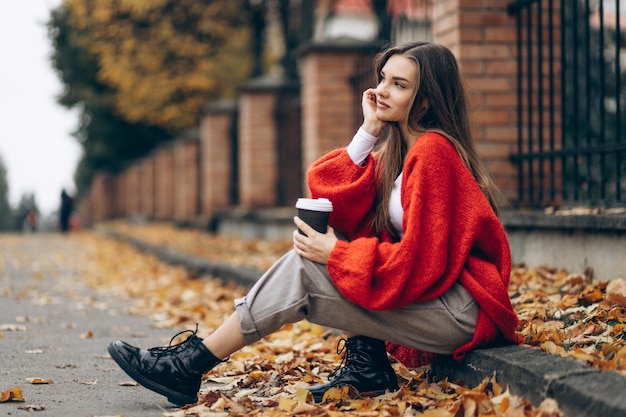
[395, 91]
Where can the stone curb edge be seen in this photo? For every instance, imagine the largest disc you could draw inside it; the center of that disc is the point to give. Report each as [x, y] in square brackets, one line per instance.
[580, 391]
[243, 276]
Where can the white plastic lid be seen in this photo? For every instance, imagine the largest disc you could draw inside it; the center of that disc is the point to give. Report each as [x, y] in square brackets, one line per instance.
[315, 204]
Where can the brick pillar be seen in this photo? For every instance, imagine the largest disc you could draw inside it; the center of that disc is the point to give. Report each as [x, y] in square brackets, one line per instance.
[483, 39]
[118, 195]
[132, 189]
[217, 171]
[101, 197]
[186, 176]
[85, 210]
[164, 183]
[328, 97]
[123, 203]
[259, 157]
[147, 195]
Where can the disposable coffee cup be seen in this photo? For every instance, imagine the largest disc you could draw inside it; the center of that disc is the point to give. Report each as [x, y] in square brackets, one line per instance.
[314, 212]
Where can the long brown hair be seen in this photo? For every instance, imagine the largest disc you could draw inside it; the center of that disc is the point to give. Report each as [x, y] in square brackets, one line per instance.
[439, 105]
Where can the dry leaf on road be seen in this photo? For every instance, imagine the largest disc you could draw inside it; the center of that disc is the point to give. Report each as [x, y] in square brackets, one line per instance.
[12, 394]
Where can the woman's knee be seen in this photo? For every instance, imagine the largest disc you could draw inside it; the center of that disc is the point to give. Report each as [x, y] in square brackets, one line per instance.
[314, 277]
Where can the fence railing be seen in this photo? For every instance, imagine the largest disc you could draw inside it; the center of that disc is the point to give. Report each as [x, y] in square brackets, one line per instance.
[571, 103]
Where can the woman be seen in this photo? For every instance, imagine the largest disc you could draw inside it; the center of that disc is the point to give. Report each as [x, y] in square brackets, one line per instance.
[425, 263]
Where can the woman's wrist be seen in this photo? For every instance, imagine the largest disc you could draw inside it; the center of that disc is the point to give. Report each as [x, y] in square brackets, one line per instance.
[372, 129]
[366, 136]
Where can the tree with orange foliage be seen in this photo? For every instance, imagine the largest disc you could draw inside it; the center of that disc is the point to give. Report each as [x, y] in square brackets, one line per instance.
[164, 59]
[138, 71]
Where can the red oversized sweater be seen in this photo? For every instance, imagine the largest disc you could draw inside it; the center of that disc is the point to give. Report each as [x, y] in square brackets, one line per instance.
[450, 234]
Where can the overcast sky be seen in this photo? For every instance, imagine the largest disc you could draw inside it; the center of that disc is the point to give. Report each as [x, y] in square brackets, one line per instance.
[35, 133]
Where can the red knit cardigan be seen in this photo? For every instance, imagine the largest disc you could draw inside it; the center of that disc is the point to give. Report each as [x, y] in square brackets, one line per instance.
[450, 234]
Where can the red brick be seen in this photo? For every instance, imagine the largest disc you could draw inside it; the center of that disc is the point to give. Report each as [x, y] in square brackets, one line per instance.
[500, 35]
[257, 148]
[146, 181]
[506, 67]
[216, 156]
[494, 117]
[472, 68]
[164, 183]
[506, 134]
[185, 152]
[481, 18]
[487, 52]
[491, 84]
[500, 100]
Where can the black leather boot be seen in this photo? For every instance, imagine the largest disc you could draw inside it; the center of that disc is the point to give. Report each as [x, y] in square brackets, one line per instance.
[365, 367]
[174, 371]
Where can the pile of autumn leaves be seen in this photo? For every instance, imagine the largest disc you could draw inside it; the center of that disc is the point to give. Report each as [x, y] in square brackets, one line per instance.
[561, 313]
[571, 315]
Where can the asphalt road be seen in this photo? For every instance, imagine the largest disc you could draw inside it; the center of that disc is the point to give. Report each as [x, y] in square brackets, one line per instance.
[55, 328]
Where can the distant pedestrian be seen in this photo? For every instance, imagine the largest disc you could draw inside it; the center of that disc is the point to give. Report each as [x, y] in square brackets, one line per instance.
[65, 211]
[31, 221]
[423, 269]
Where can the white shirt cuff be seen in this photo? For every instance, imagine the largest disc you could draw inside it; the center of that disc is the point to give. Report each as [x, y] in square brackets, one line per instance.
[361, 145]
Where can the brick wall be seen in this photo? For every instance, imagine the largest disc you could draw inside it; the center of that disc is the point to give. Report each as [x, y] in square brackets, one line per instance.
[118, 196]
[480, 34]
[101, 197]
[85, 211]
[216, 147]
[131, 189]
[146, 181]
[258, 137]
[327, 97]
[186, 177]
[164, 183]
[483, 38]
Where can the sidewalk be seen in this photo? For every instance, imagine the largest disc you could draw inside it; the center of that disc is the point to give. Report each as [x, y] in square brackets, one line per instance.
[534, 375]
[53, 328]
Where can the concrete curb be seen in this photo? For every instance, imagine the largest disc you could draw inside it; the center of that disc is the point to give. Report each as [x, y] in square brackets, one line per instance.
[243, 276]
[580, 391]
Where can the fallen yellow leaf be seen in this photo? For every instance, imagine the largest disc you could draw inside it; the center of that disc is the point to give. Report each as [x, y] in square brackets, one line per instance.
[39, 381]
[436, 413]
[12, 394]
[287, 404]
[345, 392]
[303, 395]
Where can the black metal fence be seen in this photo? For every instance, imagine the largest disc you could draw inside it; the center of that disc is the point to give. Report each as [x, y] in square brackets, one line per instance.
[571, 102]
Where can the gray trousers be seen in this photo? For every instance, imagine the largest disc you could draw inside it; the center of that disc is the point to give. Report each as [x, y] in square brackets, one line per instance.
[295, 288]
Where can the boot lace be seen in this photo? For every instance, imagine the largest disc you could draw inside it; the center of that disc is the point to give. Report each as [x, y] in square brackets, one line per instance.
[171, 349]
[342, 349]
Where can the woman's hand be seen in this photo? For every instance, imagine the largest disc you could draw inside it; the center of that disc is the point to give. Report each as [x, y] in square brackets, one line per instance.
[315, 246]
[371, 123]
